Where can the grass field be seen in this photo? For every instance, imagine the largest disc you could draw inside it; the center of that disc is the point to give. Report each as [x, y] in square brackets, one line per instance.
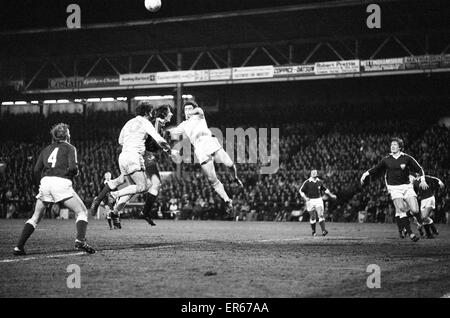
[223, 259]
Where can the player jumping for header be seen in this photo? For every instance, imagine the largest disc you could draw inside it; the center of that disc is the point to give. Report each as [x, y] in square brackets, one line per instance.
[311, 191]
[397, 167]
[206, 147]
[55, 167]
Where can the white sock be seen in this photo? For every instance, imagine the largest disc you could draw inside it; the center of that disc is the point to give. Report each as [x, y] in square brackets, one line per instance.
[218, 187]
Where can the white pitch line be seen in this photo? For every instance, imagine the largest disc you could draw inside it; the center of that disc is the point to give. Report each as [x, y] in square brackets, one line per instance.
[14, 260]
[36, 257]
[309, 239]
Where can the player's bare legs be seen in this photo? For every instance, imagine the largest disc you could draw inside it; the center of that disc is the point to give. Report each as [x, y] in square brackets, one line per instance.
[321, 218]
[30, 226]
[400, 209]
[109, 186]
[138, 185]
[75, 204]
[312, 221]
[210, 172]
[221, 156]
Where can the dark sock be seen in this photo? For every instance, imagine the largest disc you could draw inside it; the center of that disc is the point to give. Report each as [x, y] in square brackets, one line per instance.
[433, 228]
[427, 229]
[81, 230]
[28, 229]
[322, 225]
[405, 224]
[419, 218]
[399, 225]
[109, 222]
[106, 189]
[149, 201]
[313, 226]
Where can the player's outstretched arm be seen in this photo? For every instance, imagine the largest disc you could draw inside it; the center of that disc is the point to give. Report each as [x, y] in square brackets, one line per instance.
[374, 171]
[331, 194]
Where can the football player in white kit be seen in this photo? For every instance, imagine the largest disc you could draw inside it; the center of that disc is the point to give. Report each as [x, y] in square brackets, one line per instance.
[206, 147]
[131, 163]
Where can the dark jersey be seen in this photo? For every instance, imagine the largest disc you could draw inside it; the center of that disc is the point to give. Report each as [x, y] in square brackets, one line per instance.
[313, 189]
[433, 185]
[397, 171]
[150, 144]
[109, 201]
[57, 160]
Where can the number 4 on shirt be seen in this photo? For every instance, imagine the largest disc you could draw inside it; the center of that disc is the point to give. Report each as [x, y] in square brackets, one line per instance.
[52, 157]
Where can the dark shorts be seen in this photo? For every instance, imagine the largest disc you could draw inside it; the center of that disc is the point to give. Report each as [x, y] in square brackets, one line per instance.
[151, 166]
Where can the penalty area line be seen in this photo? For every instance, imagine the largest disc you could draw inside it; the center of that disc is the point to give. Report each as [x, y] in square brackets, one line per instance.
[15, 260]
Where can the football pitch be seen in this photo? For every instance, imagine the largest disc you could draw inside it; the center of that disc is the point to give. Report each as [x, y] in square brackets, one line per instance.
[184, 259]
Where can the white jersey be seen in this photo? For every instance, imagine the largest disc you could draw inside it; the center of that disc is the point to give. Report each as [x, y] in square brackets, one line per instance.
[193, 128]
[135, 132]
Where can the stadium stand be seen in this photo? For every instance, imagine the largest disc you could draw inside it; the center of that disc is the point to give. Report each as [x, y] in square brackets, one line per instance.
[340, 149]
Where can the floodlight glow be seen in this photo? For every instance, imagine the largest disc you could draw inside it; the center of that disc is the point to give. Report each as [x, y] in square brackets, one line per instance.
[7, 103]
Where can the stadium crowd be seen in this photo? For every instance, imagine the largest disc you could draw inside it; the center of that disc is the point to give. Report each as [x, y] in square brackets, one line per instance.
[340, 149]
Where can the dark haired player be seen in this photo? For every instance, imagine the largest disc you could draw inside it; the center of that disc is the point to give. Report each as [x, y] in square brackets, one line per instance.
[428, 202]
[397, 167]
[206, 147]
[311, 191]
[160, 116]
[54, 170]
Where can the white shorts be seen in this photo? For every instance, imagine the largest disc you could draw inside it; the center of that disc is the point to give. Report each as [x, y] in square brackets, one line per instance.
[205, 147]
[402, 191]
[55, 189]
[428, 203]
[313, 204]
[130, 162]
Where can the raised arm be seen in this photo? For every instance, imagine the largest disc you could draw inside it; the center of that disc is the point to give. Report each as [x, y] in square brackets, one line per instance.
[374, 171]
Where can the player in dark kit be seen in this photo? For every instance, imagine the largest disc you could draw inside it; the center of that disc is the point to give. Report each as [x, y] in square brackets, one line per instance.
[397, 167]
[428, 202]
[160, 116]
[54, 169]
[311, 190]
